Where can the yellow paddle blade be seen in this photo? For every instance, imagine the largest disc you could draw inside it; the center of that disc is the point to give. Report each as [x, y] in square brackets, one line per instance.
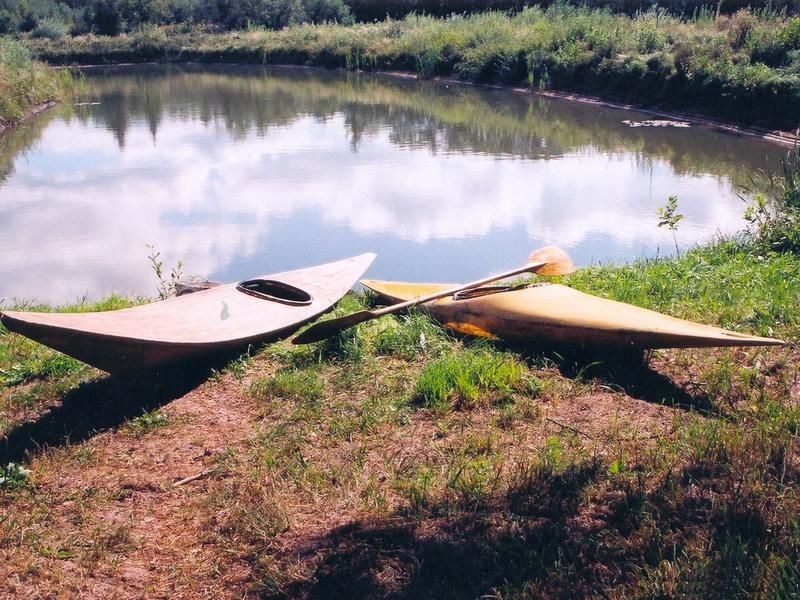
[558, 261]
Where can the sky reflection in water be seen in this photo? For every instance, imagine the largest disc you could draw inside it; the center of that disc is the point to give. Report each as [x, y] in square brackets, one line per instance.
[244, 171]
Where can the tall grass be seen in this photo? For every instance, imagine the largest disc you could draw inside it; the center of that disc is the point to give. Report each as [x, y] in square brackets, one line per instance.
[25, 83]
[467, 377]
[742, 67]
[774, 215]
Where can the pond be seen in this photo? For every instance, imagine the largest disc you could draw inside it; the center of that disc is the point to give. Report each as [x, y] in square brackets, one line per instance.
[239, 171]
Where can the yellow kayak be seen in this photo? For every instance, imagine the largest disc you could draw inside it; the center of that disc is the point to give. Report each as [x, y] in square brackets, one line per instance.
[556, 314]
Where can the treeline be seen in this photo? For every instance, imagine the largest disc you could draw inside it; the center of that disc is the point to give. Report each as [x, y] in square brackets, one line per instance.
[56, 18]
[53, 19]
[377, 10]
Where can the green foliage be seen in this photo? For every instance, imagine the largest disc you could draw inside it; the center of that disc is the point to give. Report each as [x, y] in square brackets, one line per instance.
[146, 422]
[468, 377]
[13, 476]
[49, 28]
[290, 384]
[750, 60]
[40, 366]
[669, 216]
[774, 216]
[24, 83]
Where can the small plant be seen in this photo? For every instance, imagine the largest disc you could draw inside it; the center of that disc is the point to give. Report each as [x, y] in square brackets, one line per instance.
[670, 217]
[13, 476]
[166, 286]
[238, 366]
[50, 365]
[774, 216]
[147, 422]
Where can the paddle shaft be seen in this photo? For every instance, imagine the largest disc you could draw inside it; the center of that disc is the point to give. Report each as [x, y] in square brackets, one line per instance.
[325, 329]
[529, 268]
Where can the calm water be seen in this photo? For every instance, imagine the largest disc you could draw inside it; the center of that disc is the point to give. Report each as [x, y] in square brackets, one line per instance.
[243, 171]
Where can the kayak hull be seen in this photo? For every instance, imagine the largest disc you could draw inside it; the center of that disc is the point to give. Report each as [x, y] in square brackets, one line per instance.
[210, 323]
[553, 314]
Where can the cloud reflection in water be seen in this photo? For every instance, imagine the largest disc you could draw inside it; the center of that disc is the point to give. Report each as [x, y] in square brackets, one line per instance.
[249, 172]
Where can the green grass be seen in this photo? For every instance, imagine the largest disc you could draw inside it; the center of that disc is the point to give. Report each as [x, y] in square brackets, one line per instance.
[651, 58]
[25, 84]
[409, 337]
[724, 283]
[39, 366]
[32, 375]
[147, 422]
[467, 377]
[299, 385]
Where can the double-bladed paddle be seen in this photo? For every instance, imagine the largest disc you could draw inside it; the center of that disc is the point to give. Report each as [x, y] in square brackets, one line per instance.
[548, 261]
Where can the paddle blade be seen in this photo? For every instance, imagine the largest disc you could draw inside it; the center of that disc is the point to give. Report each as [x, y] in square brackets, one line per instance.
[325, 329]
[557, 262]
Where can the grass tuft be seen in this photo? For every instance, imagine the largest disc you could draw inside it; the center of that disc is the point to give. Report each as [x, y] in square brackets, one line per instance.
[147, 422]
[469, 377]
[290, 384]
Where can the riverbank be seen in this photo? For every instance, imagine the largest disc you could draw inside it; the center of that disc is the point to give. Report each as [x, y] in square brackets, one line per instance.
[27, 87]
[738, 68]
[367, 464]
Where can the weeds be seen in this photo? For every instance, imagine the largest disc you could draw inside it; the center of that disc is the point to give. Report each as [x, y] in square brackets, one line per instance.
[774, 216]
[467, 378]
[13, 476]
[147, 422]
[297, 385]
[25, 84]
[650, 57]
[166, 286]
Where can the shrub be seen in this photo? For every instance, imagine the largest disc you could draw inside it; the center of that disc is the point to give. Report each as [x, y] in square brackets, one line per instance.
[328, 11]
[50, 29]
[774, 216]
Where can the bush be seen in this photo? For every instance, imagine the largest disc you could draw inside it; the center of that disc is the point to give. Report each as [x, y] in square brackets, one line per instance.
[25, 83]
[328, 11]
[774, 216]
[50, 29]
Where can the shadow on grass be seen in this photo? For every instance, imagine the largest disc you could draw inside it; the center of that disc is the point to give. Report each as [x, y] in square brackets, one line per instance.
[627, 371]
[632, 374]
[451, 552]
[543, 540]
[100, 404]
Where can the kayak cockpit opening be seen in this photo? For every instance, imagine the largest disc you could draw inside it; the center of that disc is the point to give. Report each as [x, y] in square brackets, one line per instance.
[486, 290]
[276, 291]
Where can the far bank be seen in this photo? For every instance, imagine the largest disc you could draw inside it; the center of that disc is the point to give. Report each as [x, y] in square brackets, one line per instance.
[740, 69]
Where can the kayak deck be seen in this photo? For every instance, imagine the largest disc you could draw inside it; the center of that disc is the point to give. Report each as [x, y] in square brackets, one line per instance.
[552, 313]
[219, 318]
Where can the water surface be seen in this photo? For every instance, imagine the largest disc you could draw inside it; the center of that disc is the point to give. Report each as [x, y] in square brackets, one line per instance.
[239, 171]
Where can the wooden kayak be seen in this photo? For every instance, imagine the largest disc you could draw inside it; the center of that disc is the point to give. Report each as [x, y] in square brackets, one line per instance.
[212, 322]
[555, 314]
